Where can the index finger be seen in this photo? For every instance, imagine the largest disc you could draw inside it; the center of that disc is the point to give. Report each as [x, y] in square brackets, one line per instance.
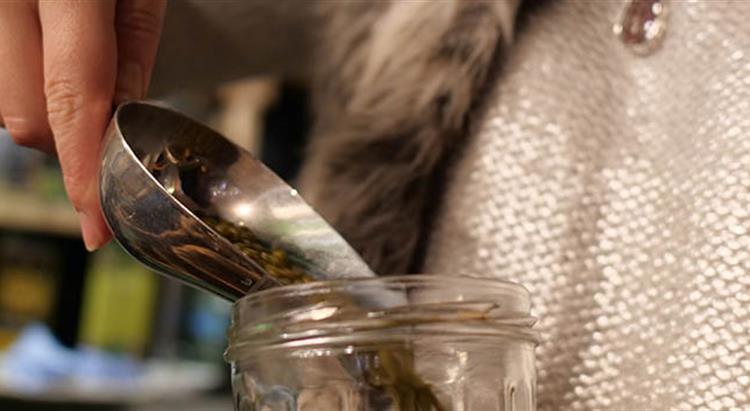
[80, 59]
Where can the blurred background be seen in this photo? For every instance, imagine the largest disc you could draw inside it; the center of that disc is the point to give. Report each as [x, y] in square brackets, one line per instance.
[100, 331]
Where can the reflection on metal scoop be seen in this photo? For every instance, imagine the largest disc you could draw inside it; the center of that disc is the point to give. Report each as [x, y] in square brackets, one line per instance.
[188, 203]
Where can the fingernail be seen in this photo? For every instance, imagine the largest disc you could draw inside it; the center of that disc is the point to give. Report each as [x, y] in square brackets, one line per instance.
[129, 82]
[93, 239]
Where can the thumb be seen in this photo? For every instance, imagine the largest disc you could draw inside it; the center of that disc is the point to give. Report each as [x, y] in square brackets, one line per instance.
[138, 24]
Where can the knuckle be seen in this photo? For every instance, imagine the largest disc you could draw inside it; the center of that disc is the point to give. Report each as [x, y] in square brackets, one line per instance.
[25, 133]
[64, 101]
[141, 24]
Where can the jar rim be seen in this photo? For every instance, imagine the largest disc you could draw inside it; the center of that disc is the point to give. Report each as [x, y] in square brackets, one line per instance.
[303, 315]
[276, 292]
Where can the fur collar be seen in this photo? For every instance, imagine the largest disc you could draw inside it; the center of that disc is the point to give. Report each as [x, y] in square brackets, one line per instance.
[395, 88]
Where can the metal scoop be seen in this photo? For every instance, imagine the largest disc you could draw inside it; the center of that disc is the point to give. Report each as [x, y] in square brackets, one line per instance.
[185, 201]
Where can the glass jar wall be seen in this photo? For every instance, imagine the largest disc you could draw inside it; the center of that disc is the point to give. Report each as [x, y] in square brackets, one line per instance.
[388, 343]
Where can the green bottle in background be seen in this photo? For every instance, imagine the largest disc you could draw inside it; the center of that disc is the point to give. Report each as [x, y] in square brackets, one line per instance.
[118, 303]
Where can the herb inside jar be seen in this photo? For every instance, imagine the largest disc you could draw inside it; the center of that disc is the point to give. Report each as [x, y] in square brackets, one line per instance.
[392, 371]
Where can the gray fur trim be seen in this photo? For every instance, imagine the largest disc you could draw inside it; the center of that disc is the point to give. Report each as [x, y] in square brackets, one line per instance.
[396, 85]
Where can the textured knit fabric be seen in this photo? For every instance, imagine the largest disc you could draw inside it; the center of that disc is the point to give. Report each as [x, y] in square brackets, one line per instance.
[616, 188]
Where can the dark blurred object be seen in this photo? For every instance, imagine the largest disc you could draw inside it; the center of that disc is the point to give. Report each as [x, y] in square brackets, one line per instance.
[287, 126]
[28, 280]
[67, 321]
[41, 279]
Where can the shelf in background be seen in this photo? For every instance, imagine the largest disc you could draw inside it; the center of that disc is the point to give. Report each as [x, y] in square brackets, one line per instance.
[31, 212]
[162, 382]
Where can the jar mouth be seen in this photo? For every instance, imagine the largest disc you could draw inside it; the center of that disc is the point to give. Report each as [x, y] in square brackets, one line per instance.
[346, 312]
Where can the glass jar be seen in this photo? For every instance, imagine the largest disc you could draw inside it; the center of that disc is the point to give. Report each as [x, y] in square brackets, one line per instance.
[388, 343]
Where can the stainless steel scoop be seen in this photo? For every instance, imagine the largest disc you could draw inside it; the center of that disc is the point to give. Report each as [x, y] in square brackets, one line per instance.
[168, 183]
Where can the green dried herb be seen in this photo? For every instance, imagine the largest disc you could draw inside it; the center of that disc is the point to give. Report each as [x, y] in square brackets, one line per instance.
[274, 261]
[394, 373]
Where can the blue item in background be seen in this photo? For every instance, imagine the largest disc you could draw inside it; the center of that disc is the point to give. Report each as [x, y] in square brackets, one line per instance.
[37, 362]
[16, 163]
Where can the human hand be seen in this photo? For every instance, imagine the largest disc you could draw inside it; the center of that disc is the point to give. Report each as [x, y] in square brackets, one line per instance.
[63, 64]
